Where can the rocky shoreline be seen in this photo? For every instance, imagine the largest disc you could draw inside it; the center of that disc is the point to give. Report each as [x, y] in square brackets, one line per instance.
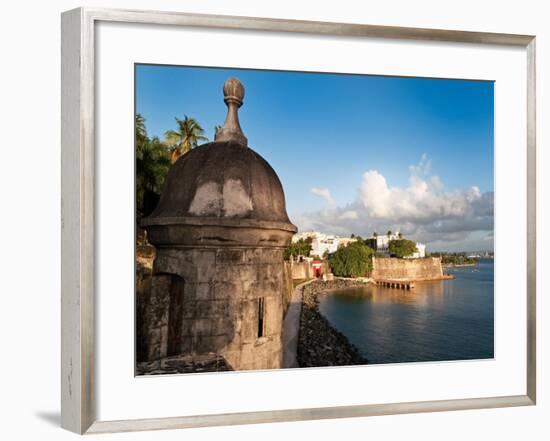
[319, 343]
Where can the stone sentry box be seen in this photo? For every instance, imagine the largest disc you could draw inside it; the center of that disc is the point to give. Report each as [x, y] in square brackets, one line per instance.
[220, 229]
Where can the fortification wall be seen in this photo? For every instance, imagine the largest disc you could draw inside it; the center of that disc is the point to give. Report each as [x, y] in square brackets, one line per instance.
[207, 301]
[428, 268]
[301, 270]
[288, 286]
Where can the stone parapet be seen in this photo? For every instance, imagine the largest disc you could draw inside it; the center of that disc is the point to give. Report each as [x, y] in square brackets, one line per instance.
[389, 268]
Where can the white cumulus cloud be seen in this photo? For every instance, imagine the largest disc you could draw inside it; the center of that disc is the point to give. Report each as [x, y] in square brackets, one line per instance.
[423, 210]
[349, 214]
[323, 193]
[422, 199]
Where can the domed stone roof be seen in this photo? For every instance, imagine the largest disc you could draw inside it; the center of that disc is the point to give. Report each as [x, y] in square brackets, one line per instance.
[222, 184]
[222, 180]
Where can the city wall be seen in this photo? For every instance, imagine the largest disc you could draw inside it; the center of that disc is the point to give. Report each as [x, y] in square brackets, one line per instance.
[288, 286]
[428, 268]
[301, 270]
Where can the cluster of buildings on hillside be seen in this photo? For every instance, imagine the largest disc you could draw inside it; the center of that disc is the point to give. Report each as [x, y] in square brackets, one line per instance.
[381, 244]
[322, 244]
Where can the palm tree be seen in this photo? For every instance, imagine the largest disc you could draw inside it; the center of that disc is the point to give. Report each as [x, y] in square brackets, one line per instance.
[141, 131]
[152, 164]
[186, 137]
[389, 233]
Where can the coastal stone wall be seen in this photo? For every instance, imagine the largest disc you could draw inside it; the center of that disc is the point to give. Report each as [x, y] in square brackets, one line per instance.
[288, 286]
[428, 268]
[301, 270]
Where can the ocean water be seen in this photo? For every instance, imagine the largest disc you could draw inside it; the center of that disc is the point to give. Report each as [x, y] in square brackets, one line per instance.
[435, 321]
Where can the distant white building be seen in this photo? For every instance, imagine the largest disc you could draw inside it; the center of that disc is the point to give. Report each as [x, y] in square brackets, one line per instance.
[329, 243]
[304, 235]
[420, 252]
[345, 241]
[381, 244]
[323, 243]
[382, 241]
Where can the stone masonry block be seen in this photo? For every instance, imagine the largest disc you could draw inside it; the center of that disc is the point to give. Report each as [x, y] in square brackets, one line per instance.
[230, 256]
[203, 291]
[273, 320]
[227, 290]
[212, 308]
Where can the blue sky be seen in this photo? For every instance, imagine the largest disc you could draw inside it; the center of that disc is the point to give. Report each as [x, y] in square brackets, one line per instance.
[323, 133]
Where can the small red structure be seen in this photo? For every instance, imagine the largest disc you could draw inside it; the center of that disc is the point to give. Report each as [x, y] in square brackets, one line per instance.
[317, 266]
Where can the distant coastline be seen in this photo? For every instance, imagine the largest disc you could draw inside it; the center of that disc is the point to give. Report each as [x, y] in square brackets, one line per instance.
[459, 265]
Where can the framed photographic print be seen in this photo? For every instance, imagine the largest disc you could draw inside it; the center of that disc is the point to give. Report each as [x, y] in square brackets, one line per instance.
[294, 218]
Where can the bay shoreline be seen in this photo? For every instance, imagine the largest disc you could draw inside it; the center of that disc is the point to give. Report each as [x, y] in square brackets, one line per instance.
[319, 343]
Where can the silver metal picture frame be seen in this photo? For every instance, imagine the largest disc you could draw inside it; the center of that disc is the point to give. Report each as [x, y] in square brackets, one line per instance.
[78, 400]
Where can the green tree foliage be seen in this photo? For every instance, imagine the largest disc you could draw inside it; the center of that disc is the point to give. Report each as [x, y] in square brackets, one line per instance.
[402, 247]
[355, 260]
[300, 248]
[187, 136]
[457, 259]
[141, 131]
[152, 164]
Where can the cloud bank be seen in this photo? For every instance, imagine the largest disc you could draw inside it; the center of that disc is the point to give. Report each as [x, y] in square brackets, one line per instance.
[323, 193]
[424, 211]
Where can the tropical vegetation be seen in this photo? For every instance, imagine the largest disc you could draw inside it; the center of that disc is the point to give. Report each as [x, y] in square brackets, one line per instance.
[355, 260]
[152, 164]
[452, 259]
[154, 157]
[186, 137]
[402, 248]
[301, 247]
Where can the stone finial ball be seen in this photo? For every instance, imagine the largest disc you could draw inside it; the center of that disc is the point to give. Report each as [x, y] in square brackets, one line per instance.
[233, 88]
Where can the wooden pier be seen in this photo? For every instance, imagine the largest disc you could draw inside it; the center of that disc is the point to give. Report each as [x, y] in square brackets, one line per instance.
[397, 284]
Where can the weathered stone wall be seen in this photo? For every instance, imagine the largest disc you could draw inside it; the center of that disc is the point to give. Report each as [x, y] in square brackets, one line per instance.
[428, 268]
[288, 285]
[220, 309]
[145, 255]
[301, 270]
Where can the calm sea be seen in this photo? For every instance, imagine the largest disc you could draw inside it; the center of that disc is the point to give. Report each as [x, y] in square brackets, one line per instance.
[443, 320]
